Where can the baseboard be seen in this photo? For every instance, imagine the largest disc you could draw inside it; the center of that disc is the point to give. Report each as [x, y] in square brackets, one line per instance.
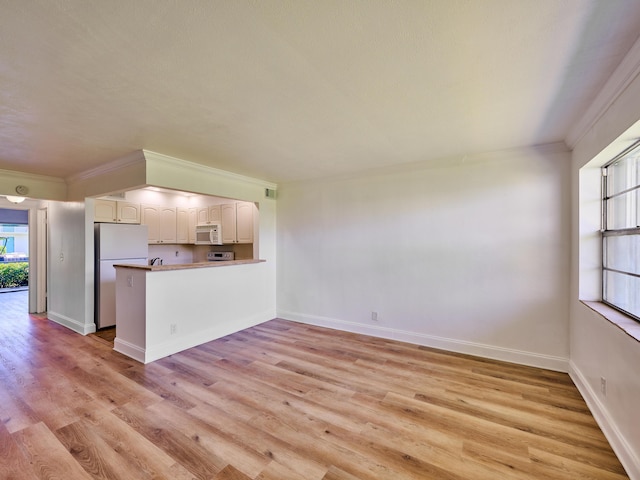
[78, 327]
[531, 359]
[129, 349]
[624, 452]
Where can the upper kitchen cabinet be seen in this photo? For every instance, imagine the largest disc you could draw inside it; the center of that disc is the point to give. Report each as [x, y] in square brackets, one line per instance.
[182, 225]
[237, 222]
[128, 212]
[244, 222]
[161, 222]
[215, 214]
[172, 217]
[207, 215]
[192, 221]
[110, 211]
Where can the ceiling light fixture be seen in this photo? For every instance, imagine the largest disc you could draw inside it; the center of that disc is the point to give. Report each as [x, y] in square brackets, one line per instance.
[13, 199]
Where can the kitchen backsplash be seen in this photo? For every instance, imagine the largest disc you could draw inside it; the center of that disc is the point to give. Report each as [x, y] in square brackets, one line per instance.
[177, 254]
[172, 254]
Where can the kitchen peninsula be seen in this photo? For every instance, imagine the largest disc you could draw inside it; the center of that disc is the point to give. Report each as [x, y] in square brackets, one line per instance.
[164, 309]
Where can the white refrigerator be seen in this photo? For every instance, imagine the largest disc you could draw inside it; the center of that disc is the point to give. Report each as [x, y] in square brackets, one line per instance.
[114, 244]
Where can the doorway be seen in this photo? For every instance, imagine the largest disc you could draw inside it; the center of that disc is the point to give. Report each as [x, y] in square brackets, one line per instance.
[23, 256]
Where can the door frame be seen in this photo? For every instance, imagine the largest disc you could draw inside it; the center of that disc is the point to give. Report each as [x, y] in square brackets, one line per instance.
[41, 260]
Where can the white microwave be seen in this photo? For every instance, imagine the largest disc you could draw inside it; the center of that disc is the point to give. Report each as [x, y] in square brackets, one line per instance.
[210, 234]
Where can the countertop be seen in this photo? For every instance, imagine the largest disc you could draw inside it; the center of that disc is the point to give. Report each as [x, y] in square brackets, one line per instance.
[185, 266]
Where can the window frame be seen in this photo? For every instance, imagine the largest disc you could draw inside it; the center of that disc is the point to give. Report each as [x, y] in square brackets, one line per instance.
[607, 232]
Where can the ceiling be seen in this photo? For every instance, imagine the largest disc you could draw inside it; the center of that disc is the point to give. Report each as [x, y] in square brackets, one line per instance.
[293, 89]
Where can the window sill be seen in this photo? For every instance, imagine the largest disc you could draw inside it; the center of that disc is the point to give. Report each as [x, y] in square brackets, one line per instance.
[619, 319]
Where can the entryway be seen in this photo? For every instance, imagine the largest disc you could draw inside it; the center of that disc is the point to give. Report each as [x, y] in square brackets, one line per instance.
[23, 254]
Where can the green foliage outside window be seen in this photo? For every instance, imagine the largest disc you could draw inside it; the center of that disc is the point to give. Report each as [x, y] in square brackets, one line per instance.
[15, 274]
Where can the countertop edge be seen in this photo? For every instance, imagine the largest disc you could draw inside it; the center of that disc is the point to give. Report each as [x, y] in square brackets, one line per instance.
[186, 266]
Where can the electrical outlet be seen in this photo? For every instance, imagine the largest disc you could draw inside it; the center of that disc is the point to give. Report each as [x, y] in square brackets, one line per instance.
[61, 257]
[130, 281]
[603, 386]
[172, 328]
[374, 316]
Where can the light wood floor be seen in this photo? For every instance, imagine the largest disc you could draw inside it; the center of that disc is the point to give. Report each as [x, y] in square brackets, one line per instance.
[284, 401]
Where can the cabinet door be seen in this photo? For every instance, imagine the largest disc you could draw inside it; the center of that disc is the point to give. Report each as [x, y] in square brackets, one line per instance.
[192, 222]
[168, 223]
[105, 211]
[150, 216]
[214, 214]
[128, 212]
[244, 222]
[202, 215]
[182, 225]
[228, 220]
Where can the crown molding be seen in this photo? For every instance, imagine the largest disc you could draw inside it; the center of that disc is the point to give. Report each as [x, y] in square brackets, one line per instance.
[13, 174]
[41, 187]
[449, 161]
[625, 73]
[147, 157]
[133, 158]
[203, 169]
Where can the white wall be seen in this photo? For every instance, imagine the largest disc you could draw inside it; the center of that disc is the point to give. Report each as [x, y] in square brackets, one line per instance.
[600, 348]
[471, 254]
[69, 276]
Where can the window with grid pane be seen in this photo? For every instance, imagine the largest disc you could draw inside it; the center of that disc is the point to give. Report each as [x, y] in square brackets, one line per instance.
[621, 232]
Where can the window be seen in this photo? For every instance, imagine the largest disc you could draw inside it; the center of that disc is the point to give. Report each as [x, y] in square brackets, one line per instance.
[14, 242]
[621, 232]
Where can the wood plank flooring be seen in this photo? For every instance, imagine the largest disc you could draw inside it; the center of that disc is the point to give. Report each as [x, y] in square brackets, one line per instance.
[284, 401]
